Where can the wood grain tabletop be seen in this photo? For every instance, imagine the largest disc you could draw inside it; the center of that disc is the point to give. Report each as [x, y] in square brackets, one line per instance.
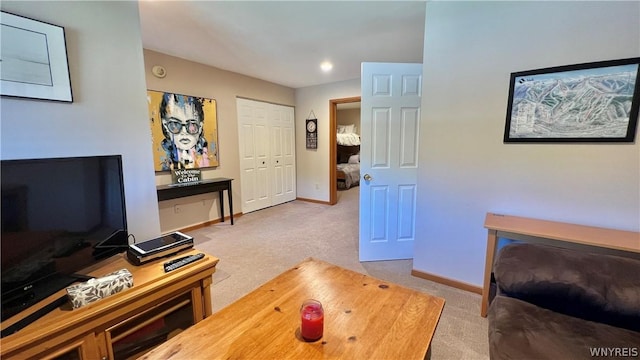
[364, 318]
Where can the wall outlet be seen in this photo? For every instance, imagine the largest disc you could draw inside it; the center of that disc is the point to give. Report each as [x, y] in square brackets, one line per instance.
[177, 209]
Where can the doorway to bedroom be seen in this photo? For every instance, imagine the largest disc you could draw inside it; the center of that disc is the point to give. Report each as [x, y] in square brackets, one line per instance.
[344, 148]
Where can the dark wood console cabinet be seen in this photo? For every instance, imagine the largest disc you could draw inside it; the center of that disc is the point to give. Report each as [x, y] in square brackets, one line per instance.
[167, 192]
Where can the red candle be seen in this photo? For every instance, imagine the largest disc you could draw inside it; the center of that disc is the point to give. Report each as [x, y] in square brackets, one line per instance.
[311, 320]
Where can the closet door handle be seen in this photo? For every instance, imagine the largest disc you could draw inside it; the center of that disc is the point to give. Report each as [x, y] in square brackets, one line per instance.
[368, 177]
[263, 163]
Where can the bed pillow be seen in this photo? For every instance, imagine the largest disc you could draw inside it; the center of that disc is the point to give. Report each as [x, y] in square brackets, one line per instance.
[354, 159]
[346, 129]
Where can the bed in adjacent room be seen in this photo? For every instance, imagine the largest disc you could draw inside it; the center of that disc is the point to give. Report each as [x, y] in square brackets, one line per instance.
[348, 161]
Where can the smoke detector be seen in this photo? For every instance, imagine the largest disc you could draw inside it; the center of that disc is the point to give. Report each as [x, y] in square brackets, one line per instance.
[159, 71]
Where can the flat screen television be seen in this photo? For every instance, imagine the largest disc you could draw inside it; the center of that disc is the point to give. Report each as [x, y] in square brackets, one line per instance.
[59, 216]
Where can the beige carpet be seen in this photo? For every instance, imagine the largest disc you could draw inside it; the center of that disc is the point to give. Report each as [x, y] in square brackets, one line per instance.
[264, 243]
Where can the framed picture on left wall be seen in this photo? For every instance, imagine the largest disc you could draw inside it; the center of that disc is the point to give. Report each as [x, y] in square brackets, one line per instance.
[33, 59]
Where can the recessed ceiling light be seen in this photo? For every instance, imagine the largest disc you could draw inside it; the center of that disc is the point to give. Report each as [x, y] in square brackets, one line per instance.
[326, 66]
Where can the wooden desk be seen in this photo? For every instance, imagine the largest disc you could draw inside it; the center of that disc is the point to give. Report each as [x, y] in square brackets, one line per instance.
[90, 332]
[364, 318]
[167, 192]
[550, 232]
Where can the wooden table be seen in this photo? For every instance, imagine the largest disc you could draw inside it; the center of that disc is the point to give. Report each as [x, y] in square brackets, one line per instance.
[89, 332]
[618, 242]
[365, 318]
[174, 191]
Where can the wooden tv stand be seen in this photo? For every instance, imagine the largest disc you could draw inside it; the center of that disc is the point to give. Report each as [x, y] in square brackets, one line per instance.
[125, 324]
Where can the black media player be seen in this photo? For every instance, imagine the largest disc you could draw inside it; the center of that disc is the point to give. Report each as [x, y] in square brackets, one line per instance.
[162, 246]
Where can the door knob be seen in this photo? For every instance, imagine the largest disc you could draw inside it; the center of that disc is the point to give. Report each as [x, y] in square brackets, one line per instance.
[368, 177]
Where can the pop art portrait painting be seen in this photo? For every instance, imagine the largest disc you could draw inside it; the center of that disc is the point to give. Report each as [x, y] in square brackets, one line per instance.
[184, 130]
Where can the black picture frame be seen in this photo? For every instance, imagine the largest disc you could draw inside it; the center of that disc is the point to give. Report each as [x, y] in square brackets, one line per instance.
[34, 59]
[581, 103]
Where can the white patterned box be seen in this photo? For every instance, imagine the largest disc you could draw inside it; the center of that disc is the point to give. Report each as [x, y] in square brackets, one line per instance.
[99, 288]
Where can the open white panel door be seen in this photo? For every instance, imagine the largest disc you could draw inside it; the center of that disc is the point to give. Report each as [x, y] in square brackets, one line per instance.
[390, 120]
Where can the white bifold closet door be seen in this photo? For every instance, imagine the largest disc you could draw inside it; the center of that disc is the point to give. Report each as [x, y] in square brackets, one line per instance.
[267, 154]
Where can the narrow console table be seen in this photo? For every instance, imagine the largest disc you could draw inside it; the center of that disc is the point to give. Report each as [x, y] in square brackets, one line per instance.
[123, 325]
[174, 191]
[553, 233]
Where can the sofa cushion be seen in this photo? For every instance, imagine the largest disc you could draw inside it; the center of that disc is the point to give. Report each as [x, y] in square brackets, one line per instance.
[602, 288]
[521, 330]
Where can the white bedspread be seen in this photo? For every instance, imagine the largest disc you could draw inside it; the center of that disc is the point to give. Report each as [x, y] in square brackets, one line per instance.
[352, 175]
[348, 139]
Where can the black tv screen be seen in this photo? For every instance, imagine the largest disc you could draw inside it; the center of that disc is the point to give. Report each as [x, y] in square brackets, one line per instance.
[59, 216]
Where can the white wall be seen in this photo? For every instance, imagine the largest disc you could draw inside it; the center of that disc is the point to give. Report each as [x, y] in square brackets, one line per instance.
[349, 117]
[465, 170]
[313, 165]
[108, 115]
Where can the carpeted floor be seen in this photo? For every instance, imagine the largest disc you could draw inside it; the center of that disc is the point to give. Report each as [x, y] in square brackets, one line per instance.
[264, 243]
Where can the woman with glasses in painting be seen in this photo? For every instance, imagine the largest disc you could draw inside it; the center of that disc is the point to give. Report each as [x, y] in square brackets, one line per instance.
[182, 125]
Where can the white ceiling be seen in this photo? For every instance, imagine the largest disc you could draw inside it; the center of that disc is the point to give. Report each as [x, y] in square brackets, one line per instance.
[285, 41]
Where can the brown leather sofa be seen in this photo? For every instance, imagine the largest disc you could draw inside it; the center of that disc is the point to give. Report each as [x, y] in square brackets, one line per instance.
[554, 303]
